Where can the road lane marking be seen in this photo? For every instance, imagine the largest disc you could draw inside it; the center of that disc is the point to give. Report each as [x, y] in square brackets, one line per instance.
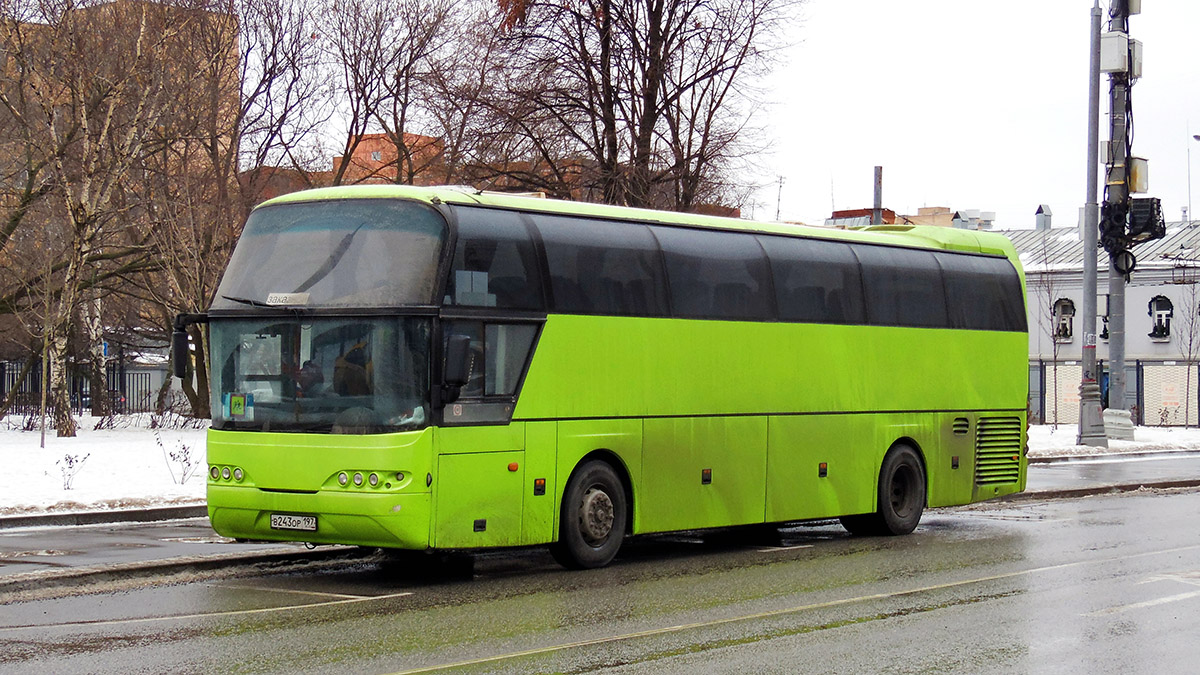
[1188, 578]
[207, 615]
[1141, 605]
[290, 590]
[666, 630]
[776, 549]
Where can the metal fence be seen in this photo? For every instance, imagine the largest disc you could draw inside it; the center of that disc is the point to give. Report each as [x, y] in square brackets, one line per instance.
[131, 391]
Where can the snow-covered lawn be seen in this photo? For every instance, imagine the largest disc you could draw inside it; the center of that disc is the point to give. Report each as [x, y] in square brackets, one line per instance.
[133, 466]
[129, 466]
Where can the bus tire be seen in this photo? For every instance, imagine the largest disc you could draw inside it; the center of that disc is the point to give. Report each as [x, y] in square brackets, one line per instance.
[592, 525]
[901, 496]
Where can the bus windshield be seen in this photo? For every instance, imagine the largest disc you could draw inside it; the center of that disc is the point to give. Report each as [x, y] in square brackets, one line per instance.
[353, 375]
[342, 253]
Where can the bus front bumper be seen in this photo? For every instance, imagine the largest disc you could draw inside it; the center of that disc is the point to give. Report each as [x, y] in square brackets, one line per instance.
[384, 520]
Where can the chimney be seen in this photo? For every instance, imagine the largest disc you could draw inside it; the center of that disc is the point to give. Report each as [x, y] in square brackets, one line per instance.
[1043, 217]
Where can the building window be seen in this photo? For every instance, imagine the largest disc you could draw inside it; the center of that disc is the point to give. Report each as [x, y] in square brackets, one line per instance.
[1160, 313]
[1064, 317]
[376, 156]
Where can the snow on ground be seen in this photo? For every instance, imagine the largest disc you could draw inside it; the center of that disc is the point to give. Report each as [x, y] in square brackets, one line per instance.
[123, 467]
[134, 466]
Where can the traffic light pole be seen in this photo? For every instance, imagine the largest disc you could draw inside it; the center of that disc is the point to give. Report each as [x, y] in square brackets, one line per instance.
[1116, 210]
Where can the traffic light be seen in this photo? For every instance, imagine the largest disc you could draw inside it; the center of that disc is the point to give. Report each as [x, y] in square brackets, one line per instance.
[1112, 227]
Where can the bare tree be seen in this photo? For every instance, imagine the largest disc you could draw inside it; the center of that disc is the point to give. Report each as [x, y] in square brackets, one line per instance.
[1187, 333]
[644, 89]
[1046, 290]
[250, 94]
[93, 87]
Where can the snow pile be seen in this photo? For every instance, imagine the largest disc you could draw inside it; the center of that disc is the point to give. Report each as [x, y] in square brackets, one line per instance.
[133, 466]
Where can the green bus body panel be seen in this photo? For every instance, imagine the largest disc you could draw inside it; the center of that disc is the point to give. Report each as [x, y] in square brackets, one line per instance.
[600, 367]
[478, 500]
[847, 445]
[676, 454]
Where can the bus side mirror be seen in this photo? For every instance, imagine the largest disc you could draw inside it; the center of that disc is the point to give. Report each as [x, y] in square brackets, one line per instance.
[458, 355]
[179, 352]
[179, 341]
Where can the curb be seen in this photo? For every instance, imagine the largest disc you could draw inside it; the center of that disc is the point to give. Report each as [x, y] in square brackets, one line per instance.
[104, 517]
[1068, 493]
[77, 577]
[1165, 454]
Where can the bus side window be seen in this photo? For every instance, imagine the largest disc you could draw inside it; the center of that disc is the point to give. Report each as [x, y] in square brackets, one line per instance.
[716, 275]
[494, 262]
[815, 281]
[602, 267]
[498, 355]
[903, 287]
[982, 293]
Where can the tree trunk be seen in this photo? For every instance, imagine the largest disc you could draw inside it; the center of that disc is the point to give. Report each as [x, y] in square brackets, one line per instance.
[60, 395]
[101, 404]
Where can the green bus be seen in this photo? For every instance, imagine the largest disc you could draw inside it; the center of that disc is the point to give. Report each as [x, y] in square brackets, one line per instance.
[435, 368]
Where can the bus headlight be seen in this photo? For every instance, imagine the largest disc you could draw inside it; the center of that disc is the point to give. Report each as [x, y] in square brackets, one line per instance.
[343, 478]
[358, 479]
[237, 474]
[215, 472]
[225, 473]
[373, 479]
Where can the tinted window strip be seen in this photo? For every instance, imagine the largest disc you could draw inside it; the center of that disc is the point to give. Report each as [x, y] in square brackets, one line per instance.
[547, 295]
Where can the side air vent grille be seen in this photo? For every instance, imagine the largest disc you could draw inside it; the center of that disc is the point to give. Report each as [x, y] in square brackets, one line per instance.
[997, 450]
[962, 426]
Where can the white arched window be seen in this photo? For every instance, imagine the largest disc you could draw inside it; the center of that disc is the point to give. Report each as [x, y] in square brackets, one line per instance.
[1064, 318]
[1161, 310]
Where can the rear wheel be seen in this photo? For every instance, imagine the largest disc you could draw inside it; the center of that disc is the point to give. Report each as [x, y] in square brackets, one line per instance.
[901, 496]
[592, 524]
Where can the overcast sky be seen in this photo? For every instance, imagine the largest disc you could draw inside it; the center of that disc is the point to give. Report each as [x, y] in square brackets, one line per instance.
[970, 105]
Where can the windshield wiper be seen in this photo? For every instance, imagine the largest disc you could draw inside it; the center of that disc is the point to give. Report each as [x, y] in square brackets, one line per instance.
[334, 258]
[246, 301]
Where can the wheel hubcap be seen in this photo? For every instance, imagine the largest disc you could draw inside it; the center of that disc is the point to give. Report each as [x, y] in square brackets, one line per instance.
[596, 516]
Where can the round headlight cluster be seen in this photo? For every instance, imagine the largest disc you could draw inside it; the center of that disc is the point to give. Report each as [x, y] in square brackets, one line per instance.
[226, 473]
[361, 479]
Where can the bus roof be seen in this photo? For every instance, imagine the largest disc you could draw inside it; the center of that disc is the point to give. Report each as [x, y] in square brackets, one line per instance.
[896, 235]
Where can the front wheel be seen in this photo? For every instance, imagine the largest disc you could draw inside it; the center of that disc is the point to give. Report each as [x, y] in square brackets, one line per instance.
[592, 525]
[901, 496]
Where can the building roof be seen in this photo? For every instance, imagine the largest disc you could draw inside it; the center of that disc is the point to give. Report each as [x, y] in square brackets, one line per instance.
[1060, 249]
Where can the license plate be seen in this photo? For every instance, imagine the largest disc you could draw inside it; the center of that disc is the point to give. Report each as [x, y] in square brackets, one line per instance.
[284, 521]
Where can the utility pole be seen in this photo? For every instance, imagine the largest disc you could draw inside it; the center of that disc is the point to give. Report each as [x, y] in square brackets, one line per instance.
[1124, 221]
[1116, 214]
[1091, 420]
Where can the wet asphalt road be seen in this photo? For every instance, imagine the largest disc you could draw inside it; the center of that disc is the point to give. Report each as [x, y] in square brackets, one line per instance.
[1091, 585]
